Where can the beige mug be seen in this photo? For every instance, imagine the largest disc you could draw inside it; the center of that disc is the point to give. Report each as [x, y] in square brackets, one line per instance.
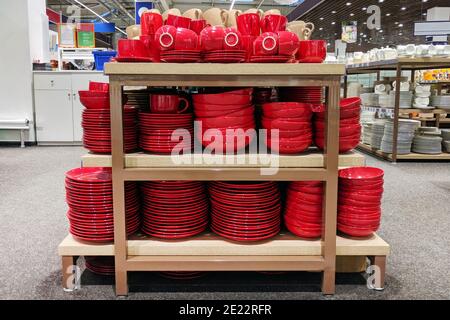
[173, 11]
[257, 11]
[302, 29]
[154, 11]
[273, 12]
[232, 16]
[215, 16]
[133, 31]
[194, 14]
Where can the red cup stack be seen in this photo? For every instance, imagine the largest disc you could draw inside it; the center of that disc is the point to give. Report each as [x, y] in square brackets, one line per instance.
[90, 201]
[293, 121]
[303, 213]
[275, 47]
[360, 193]
[222, 45]
[313, 95]
[349, 129]
[245, 211]
[178, 45]
[225, 117]
[174, 209]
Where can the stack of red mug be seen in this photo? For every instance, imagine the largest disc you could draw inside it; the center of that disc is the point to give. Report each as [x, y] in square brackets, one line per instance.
[222, 45]
[150, 22]
[167, 126]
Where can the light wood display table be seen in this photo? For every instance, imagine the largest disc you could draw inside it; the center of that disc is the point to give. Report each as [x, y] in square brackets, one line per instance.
[210, 252]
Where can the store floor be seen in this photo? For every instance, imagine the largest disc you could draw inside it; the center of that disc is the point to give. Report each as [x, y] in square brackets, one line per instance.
[416, 222]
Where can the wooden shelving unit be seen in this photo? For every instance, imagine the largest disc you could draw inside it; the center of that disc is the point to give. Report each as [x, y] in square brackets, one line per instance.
[210, 252]
[410, 156]
[399, 65]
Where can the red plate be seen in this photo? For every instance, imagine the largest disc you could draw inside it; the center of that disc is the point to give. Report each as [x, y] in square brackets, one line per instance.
[90, 175]
[243, 238]
[243, 185]
[246, 226]
[180, 213]
[303, 233]
[182, 51]
[184, 226]
[173, 235]
[133, 59]
[180, 59]
[174, 209]
[224, 60]
[355, 232]
[192, 219]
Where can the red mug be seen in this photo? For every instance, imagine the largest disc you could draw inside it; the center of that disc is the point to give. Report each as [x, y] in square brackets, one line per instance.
[132, 49]
[312, 51]
[171, 38]
[232, 39]
[247, 45]
[266, 44]
[167, 103]
[211, 38]
[197, 26]
[288, 43]
[152, 47]
[178, 21]
[248, 24]
[273, 23]
[150, 22]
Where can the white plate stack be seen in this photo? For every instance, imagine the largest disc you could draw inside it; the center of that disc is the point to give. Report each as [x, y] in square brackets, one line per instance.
[406, 130]
[427, 144]
[422, 95]
[388, 101]
[377, 134]
[442, 102]
[369, 99]
[367, 133]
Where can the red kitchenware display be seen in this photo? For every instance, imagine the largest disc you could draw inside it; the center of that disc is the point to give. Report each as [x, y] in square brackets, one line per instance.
[249, 24]
[132, 50]
[161, 209]
[359, 211]
[312, 51]
[243, 211]
[178, 21]
[273, 23]
[89, 197]
[150, 23]
[168, 103]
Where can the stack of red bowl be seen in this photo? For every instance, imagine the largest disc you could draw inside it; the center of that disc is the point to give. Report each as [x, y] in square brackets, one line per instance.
[178, 45]
[350, 127]
[96, 125]
[89, 197]
[221, 114]
[293, 122]
[303, 212]
[174, 209]
[103, 266]
[360, 193]
[159, 132]
[313, 95]
[245, 211]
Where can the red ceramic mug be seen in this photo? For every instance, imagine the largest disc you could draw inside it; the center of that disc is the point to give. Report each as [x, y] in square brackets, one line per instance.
[273, 23]
[312, 51]
[178, 21]
[288, 43]
[248, 24]
[211, 38]
[266, 44]
[232, 39]
[197, 25]
[171, 38]
[132, 49]
[168, 103]
[150, 22]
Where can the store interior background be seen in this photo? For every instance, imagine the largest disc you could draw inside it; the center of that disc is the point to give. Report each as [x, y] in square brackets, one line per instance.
[33, 226]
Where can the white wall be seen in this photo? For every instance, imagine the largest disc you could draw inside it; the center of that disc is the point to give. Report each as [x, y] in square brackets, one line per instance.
[15, 66]
[38, 30]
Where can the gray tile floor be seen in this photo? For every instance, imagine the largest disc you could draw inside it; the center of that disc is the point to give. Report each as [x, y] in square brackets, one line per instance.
[416, 222]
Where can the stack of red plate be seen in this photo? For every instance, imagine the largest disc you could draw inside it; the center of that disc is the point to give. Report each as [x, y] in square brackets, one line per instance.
[303, 213]
[292, 120]
[96, 125]
[225, 56]
[100, 265]
[89, 197]
[272, 59]
[224, 119]
[245, 211]
[181, 56]
[174, 209]
[161, 133]
[350, 128]
[313, 95]
[175, 275]
[360, 193]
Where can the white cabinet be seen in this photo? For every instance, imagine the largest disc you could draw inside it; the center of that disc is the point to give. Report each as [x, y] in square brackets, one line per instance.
[57, 105]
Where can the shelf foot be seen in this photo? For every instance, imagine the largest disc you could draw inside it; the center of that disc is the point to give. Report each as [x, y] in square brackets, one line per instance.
[121, 283]
[377, 273]
[70, 274]
[329, 282]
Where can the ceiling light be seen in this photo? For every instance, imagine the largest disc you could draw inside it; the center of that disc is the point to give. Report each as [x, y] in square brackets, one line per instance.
[380, 31]
[348, 4]
[352, 14]
[396, 22]
[333, 23]
[320, 29]
[380, 1]
[364, 9]
[400, 25]
[388, 14]
[424, 14]
[321, 18]
[400, 33]
[333, 12]
[403, 8]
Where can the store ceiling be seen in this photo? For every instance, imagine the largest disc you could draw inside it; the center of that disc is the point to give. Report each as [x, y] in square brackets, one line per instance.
[397, 21]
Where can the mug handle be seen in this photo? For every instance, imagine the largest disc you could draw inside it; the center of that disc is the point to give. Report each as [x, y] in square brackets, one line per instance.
[311, 28]
[307, 33]
[223, 16]
[186, 102]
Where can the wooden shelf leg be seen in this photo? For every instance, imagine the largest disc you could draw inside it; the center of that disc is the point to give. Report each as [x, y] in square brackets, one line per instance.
[379, 275]
[121, 283]
[69, 273]
[328, 281]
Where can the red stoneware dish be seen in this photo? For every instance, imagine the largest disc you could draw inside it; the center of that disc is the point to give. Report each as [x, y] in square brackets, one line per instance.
[90, 175]
[287, 110]
[222, 99]
[302, 233]
[95, 102]
[98, 86]
[361, 174]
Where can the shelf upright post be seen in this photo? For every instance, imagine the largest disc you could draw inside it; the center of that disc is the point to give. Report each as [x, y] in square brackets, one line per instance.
[396, 112]
[118, 165]
[331, 154]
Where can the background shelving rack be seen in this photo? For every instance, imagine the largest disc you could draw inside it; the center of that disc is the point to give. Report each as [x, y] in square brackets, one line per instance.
[212, 253]
[398, 65]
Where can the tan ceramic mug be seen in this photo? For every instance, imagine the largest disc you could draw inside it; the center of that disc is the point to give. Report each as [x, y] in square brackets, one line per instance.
[302, 29]
[173, 11]
[273, 12]
[216, 16]
[133, 31]
[257, 11]
[194, 14]
[232, 15]
[154, 11]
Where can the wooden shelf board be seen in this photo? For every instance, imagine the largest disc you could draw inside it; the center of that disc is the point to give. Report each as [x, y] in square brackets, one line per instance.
[411, 156]
[206, 244]
[143, 160]
[216, 70]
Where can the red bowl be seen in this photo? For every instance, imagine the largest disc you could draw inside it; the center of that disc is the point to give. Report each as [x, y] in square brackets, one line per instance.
[226, 121]
[357, 191]
[357, 210]
[360, 197]
[361, 175]
[304, 233]
[312, 51]
[353, 232]
[350, 103]
[128, 48]
[287, 109]
[95, 102]
[356, 203]
[98, 86]
[289, 147]
[241, 112]
[300, 196]
[363, 216]
[213, 101]
[285, 124]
